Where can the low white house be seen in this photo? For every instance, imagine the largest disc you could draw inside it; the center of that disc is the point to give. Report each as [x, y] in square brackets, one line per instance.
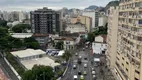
[30, 57]
[69, 43]
[101, 38]
[97, 48]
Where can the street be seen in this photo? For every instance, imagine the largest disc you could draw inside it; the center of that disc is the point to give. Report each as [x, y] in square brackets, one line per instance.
[102, 72]
[79, 67]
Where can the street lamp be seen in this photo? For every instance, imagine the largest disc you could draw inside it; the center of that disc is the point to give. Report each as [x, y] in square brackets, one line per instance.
[43, 74]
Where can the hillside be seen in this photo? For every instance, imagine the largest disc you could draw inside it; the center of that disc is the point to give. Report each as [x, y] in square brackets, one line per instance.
[112, 3]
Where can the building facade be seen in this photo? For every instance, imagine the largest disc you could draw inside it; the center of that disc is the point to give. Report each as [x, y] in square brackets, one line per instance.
[84, 20]
[128, 65]
[42, 39]
[95, 17]
[112, 37]
[102, 19]
[76, 28]
[45, 21]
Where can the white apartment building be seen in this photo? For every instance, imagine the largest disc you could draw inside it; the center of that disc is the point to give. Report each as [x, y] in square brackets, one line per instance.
[95, 17]
[22, 16]
[102, 20]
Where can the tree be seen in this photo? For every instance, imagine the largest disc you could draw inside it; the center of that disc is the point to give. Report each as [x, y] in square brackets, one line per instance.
[3, 23]
[39, 72]
[59, 45]
[66, 55]
[31, 43]
[20, 28]
[91, 37]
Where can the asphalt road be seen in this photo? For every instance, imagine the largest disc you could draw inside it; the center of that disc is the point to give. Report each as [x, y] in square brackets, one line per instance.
[80, 67]
[106, 75]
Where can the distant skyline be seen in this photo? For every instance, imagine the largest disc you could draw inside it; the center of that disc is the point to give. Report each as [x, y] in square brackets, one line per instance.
[28, 5]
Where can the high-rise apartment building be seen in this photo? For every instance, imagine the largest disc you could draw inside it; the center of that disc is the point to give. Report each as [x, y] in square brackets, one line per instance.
[112, 36]
[95, 17]
[128, 64]
[45, 21]
[22, 16]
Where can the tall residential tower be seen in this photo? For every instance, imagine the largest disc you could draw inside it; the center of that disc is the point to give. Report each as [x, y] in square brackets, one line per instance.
[45, 21]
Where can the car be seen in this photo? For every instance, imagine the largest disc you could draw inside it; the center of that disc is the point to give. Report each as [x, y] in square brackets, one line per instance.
[79, 73]
[83, 49]
[76, 54]
[95, 65]
[74, 66]
[85, 58]
[93, 69]
[84, 72]
[85, 65]
[75, 77]
[80, 57]
[93, 72]
[94, 76]
[81, 77]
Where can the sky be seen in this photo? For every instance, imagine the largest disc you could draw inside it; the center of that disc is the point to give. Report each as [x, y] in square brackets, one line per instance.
[28, 5]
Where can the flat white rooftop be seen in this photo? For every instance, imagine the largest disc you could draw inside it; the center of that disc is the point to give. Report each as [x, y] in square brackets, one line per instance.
[39, 61]
[21, 35]
[27, 53]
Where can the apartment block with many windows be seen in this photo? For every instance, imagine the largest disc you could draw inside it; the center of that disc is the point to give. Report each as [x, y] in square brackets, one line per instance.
[45, 21]
[128, 65]
[112, 36]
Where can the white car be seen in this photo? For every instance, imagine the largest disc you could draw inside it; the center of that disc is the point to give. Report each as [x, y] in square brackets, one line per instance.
[94, 76]
[74, 66]
[75, 77]
[93, 72]
[85, 65]
[76, 54]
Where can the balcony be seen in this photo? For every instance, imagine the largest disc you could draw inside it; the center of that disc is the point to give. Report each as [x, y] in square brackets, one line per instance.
[122, 71]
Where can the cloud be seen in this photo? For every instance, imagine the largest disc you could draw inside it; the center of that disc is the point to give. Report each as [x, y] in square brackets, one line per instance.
[54, 4]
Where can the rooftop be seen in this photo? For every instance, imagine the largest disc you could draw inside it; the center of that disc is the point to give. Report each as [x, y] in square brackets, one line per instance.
[27, 53]
[65, 38]
[39, 61]
[40, 35]
[21, 35]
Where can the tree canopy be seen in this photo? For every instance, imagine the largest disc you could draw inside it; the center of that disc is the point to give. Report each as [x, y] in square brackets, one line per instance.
[20, 28]
[59, 45]
[67, 55]
[99, 31]
[3, 23]
[31, 43]
[39, 72]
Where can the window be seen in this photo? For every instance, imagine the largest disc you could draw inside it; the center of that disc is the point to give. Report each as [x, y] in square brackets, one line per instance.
[136, 79]
[137, 72]
[122, 64]
[126, 69]
[127, 63]
[122, 58]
